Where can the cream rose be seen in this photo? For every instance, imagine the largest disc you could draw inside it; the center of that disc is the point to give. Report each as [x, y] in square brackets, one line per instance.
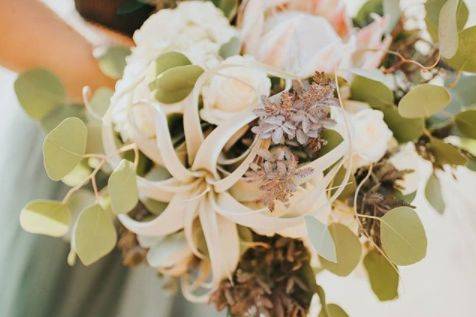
[235, 88]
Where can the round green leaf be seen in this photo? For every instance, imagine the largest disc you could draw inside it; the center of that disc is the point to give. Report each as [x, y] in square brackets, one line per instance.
[448, 29]
[403, 129]
[382, 276]
[175, 84]
[466, 123]
[64, 147]
[332, 138]
[321, 239]
[333, 310]
[465, 59]
[170, 60]
[78, 175]
[113, 61]
[368, 9]
[403, 236]
[230, 48]
[99, 103]
[123, 188]
[46, 217]
[446, 153]
[348, 250]
[370, 87]
[39, 92]
[57, 115]
[424, 101]
[434, 195]
[94, 234]
[228, 7]
[433, 9]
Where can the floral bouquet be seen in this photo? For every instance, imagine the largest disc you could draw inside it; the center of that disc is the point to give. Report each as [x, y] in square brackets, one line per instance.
[250, 145]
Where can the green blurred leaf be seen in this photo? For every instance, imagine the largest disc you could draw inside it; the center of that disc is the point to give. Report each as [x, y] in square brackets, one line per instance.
[170, 60]
[434, 195]
[94, 143]
[404, 130]
[57, 115]
[79, 174]
[348, 250]
[370, 87]
[113, 61]
[433, 8]
[471, 165]
[321, 239]
[466, 123]
[423, 101]
[391, 9]
[448, 29]
[39, 92]
[228, 7]
[175, 84]
[48, 217]
[403, 236]
[333, 310]
[64, 148]
[382, 276]
[94, 234]
[99, 103]
[349, 187]
[364, 15]
[446, 153]
[333, 139]
[465, 59]
[123, 188]
[230, 48]
[130, 6]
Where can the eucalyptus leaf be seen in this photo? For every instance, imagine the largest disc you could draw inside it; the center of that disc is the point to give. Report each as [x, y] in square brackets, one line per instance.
[349, 189]
[446, 153]
[94, 234]
[64, 147]
[57, 115]
[332, 138]
[382, 276]
[78, 175]
[433, 9]
[423, 101]
[228, 7]
[333, 310]
[434, 194]
[113, 61]
[448, 29]
[39, 92]
[175, 84]
[123, 188]
[403, 236]
[321, 239]
[403, 129]
[170, 60]
[466, 123]
[364, 15]
[99, 103]
[230, 48]
[46, 217]
[348, 250]
[370, 87]
[391, 9]
[465, 59]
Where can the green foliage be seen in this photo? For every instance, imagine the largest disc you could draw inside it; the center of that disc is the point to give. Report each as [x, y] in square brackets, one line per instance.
[94, 234]
[424, 101]
[403, 236]
[370, 7]
[39, 92]
[348, 250]
[446, 153]
[333, 310]
[64, 148]
[434, 195]
[46, 217]
[382, 276]
[113, 61]
[123, 188]
[99, 103]
[465, 59]
[79, 174]
[170, 60]
[391, 9]
[321, 239]
[333, 139]
[230, 48]
[466, 123]
[229, 7]
[404, 130]
[433, 9]
[370, 87]
[59, 114]
[175, 84]
[448, 29]
[349, 189]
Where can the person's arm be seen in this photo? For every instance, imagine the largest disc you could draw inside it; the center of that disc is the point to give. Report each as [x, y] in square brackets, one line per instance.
[32, 36]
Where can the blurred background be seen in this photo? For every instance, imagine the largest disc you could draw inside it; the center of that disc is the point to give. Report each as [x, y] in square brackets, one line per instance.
[442, 285]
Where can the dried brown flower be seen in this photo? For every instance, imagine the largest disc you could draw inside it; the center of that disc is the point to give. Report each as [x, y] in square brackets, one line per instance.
[277, 173]
[299, 114]
[274, 279]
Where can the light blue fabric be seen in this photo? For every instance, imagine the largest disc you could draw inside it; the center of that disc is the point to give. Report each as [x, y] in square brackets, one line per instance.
[35, 280]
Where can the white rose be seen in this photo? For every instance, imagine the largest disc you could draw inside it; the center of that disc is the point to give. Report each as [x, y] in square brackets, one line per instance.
[234, 89]
[196, 29]
[370, 137]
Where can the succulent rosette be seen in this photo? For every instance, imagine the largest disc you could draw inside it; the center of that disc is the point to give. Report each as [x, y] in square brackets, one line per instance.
[249, 145]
